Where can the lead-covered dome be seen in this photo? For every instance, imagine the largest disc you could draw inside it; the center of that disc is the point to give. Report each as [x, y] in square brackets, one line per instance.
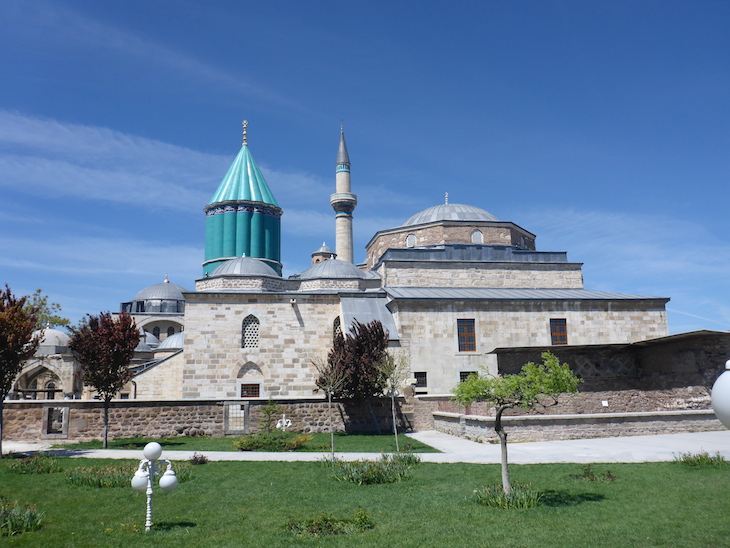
[449, 212]
[244, 266]
[332, 269]
[53, 337]
[165, 291]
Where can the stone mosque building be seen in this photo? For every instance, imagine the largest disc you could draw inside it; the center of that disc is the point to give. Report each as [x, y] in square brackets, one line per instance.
[456, 288]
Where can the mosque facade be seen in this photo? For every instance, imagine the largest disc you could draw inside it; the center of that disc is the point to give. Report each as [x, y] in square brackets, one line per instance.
[451, 285]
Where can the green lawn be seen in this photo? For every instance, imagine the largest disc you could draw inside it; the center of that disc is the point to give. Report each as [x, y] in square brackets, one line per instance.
[366, 443]
[249, 503]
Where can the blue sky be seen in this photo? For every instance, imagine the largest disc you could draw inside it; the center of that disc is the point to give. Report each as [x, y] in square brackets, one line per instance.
[602, 127]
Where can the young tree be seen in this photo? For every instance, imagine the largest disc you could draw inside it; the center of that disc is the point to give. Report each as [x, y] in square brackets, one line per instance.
[331, 380]
[17, 342]
[394, 368]
[359, 355]
[105, 347]
[46, 313]
[537, 385]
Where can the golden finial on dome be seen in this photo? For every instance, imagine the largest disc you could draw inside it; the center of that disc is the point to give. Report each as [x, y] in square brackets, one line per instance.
[446, 198]
[245, 126]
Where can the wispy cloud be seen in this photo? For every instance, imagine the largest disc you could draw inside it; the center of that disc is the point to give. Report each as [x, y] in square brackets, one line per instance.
[55, 23]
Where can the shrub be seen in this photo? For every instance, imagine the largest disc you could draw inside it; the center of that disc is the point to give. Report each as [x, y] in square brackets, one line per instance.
[587, 474]
[521, 496]
[119, 474]
[16, 519]
[272, 440]
[389, 469]
[37, 464]
[700, 459]
[267, 422]
[325, 525]
[198, 458]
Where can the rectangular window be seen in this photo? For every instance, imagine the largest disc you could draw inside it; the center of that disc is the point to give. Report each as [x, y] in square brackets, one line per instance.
[463, 375]
[250, 390]
[421, 380]
[559, 331]
[467, 335]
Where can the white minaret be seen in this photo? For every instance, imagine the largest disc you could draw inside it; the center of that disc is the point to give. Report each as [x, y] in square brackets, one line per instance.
[343, 202]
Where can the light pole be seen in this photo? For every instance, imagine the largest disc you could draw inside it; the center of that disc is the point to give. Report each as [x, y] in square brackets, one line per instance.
[145, 474]
[721, 396]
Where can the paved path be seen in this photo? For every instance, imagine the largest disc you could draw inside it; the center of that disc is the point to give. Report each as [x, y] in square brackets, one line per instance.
[454, 449]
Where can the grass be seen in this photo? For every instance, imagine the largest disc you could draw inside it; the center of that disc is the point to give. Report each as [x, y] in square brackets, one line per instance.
[250, 504]
[363, 443]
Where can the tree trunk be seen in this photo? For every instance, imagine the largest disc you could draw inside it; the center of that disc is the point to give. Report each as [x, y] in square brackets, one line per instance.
[332, 428]
[395, 425]
[506, 485]
[1, 426]
[106, 422]
[375, 417]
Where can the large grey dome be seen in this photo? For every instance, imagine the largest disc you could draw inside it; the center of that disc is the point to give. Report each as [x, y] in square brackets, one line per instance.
[165, 291]
[449, 212]
[333, 268]
[244, 266]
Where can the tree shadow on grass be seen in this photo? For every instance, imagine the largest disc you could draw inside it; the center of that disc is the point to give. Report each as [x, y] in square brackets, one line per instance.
[170, 525]
[565, 498]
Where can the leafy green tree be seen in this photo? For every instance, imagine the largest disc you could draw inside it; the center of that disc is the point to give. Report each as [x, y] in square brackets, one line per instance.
[104, 347]
[357, 357]
[536, 385]
[17, 342]
[394, 368]
[46, 313]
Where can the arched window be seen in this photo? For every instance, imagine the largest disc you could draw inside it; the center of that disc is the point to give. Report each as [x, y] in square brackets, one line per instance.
[336, 327]
[170, 331]
[51, 387]
[250, 332]
[477, 237]
[410, 241]
[156, 332]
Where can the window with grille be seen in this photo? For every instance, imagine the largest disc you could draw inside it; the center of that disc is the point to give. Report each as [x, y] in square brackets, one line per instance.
[250, 332]
[467, 335]
[559, 331]
[463, 375]
[421, 379]
[250, 390]
[336, 327]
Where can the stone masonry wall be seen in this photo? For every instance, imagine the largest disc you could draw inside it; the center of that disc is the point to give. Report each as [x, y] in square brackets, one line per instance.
[500, 275]
[23, 420]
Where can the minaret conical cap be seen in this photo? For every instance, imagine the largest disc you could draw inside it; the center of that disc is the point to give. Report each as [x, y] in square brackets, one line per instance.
[342, 157]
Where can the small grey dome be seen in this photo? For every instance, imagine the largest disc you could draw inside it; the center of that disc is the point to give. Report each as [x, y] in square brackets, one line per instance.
[244, 266]
[333, 268]
[173, 342]
[143, 347]
[53, 337]
[449, 212]
[323, 249]
[165, 291]
[148, 338]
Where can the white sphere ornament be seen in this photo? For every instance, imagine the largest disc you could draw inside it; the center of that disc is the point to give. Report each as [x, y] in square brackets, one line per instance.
[721, 396]
[139, 481]
[152, 451]
[168, 481]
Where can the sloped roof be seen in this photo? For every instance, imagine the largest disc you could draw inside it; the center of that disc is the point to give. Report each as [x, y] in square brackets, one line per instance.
[501, 294]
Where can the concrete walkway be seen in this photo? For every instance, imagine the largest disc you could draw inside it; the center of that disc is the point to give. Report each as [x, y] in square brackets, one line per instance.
[454, 449]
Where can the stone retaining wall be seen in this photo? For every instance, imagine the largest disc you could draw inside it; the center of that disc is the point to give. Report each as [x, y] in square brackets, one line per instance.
[84, 420]
[563, 427]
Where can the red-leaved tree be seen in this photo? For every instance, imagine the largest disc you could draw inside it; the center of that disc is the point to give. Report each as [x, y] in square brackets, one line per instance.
[357, 357]
[104, 347]
[17, 342]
